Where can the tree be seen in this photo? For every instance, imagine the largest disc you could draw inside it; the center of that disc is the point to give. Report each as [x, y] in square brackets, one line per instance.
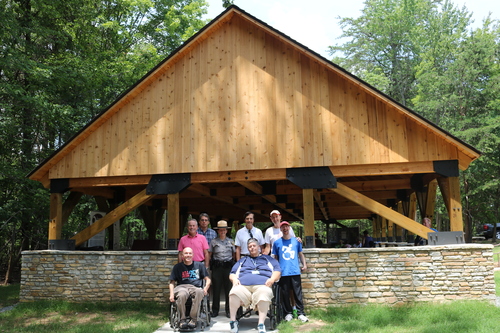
[387, 40]
[460, 93]
[423, 54]
[61, 63]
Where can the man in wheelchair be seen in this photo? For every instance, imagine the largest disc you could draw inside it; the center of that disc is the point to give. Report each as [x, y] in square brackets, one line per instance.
[189, 276]
[253, 277]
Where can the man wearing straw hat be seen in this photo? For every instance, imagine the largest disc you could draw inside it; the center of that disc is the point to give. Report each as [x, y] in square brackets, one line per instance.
[222, 252]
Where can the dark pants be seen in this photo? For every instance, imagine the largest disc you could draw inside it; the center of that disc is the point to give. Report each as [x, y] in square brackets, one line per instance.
[220, 281]
[291, 284]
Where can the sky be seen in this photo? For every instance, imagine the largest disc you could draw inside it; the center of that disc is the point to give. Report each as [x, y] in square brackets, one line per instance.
[315, 24]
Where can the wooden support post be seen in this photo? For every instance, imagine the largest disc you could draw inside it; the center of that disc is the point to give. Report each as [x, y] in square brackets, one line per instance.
[308, 202]
[383, 229]
[412, 214]
[431, 199]
[112, 217]
[173, 219]
[450, 189]
[379, 228]
[390, 231]
[56, 216]
[398, 231]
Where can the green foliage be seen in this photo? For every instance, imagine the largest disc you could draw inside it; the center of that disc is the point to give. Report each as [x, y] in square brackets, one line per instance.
[9, 295]
[62, 63]
[425, 55]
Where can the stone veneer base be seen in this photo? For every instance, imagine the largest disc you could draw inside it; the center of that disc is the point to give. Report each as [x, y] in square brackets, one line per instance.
[334, 277]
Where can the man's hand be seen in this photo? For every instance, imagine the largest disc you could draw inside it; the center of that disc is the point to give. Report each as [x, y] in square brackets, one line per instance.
[205, 291]
[236, 282]
[269, 283]
[172, 298]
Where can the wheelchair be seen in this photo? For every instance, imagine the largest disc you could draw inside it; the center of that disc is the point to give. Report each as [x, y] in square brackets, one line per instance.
[204, 318]
[275, 312]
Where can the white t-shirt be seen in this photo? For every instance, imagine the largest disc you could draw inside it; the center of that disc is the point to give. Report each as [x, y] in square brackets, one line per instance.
[273, 234]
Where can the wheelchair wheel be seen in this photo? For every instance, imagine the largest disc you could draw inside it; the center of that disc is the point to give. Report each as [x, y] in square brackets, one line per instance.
[275, 310]
[174, 317]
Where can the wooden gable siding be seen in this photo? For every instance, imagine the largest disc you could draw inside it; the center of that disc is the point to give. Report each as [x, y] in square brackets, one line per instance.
[243, 99]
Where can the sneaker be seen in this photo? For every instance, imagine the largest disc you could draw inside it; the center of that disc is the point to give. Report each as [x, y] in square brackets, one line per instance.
[303, 318]
[288, 317]
[192, 323]
[261, 328]
[234, 326]
[183, 324]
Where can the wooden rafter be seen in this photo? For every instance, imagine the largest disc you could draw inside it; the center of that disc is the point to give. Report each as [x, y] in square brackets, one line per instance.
[256, 188]
[112, 217]
[319, 202]
[381, 210]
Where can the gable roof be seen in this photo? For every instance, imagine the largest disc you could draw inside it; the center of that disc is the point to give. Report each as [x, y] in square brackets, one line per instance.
[240, 95]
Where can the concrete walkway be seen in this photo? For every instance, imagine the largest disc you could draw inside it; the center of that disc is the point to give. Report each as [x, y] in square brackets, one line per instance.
[220, 324]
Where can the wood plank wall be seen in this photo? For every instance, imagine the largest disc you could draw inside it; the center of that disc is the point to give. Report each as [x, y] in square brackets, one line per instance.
[244, 100]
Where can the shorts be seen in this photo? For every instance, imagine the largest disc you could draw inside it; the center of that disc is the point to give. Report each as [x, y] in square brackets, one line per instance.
[251, 295]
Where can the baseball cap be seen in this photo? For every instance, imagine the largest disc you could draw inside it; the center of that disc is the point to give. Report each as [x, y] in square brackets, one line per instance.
[284, 223]
[275, 212]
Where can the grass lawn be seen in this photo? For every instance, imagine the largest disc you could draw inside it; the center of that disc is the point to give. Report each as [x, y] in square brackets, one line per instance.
[59, 316]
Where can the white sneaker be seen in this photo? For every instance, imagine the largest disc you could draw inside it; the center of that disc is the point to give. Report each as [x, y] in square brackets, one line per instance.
[261, 328]
[234, 326]
[288, 317]
[303, 318]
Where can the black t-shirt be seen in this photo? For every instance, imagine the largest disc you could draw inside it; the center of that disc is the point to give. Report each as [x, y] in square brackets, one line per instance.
[189, 274]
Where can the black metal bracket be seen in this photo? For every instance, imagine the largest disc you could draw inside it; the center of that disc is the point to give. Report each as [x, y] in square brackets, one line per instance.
[168, 183]
[59, 185]
[447, 168]
[312, 177]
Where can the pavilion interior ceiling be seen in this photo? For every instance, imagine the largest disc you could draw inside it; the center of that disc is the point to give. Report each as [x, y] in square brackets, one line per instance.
[230, 200]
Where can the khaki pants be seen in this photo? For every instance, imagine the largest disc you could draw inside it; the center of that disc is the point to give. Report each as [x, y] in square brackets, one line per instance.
[182, 292]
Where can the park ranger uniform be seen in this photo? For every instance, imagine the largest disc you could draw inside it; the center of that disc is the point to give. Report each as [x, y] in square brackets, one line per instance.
[222, 251]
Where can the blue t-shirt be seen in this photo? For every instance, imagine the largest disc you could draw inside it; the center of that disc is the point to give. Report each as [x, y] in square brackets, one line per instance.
[287, 252]
[252, 271]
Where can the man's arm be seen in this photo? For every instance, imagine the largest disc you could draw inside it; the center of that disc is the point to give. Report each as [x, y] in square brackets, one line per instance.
[234, 279]
[171, 286]
[238, 253]
[179, 256]
[208, 282]
[274, 278]
[302, 258]
[207, 259]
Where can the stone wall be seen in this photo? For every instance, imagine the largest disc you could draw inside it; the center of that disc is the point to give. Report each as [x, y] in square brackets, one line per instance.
[334, 276]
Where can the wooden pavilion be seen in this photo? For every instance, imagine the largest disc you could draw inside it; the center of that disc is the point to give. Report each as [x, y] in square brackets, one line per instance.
[241, 117]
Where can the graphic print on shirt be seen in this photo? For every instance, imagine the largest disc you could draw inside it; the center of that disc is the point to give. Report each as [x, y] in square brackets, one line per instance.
[193, 274]
[288, 252]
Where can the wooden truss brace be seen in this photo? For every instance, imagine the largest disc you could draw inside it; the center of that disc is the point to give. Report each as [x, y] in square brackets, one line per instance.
[112, 217]
[379, 209]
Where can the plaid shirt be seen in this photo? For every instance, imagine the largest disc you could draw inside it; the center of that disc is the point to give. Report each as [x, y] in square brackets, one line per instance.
[209, 234]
